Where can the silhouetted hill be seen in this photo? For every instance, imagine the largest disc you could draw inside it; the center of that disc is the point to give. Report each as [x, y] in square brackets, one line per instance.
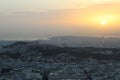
[76, 41]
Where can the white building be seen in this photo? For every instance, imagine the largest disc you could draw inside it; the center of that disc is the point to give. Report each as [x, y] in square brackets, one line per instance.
[68, 73]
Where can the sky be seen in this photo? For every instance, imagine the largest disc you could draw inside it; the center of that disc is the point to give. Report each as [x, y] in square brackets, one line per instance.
[34, 19]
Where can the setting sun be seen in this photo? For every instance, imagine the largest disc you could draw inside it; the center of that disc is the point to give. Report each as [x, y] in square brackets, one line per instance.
[32, 18]
[103, 22]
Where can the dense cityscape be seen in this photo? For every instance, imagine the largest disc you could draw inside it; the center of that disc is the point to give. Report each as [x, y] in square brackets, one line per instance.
[59, 39]
[24, 60]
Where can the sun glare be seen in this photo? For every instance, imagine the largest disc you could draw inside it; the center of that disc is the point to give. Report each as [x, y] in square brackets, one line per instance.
[103, 22]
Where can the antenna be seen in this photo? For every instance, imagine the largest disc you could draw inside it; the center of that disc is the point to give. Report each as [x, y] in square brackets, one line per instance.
[103, 42]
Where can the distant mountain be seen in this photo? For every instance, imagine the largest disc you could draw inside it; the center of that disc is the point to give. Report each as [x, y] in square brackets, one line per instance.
[79, 47]
[6, 42]
[72, 41]
[76, 41]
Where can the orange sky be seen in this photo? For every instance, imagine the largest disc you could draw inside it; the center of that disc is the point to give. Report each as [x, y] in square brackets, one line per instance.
[77, 17]
[89, 19]
[89, 16]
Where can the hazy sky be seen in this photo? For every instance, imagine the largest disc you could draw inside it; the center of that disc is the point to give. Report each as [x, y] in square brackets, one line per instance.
[32, 19]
